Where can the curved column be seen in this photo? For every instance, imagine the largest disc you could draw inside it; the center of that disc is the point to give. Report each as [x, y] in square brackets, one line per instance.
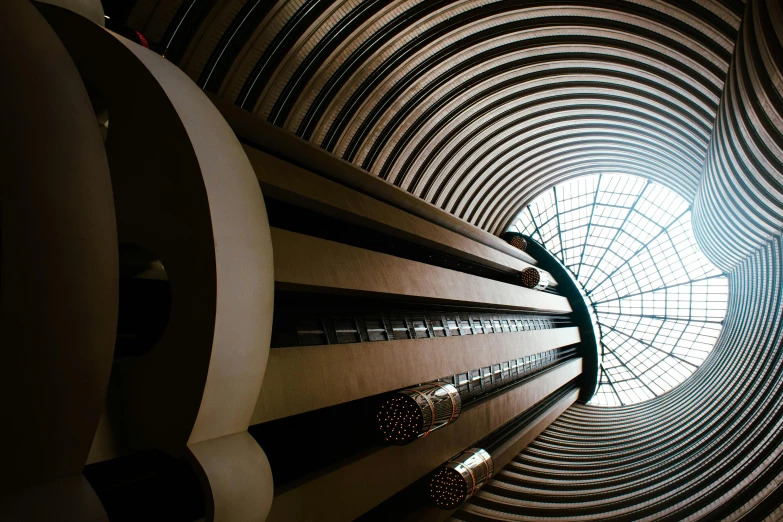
[58, 297]
[186, 192]
[739, 207]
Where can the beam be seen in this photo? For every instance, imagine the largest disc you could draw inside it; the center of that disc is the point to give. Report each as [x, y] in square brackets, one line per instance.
[313, 264]
[289, 183]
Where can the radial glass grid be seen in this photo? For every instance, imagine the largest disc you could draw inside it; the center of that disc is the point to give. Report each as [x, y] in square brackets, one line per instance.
[659, 302]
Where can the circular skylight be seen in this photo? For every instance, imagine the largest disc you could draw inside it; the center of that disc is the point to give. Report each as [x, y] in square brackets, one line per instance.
[659, 302]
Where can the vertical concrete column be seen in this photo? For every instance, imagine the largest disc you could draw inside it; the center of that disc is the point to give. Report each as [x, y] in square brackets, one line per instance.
[739, 206]
[58, 293]
[185, 191]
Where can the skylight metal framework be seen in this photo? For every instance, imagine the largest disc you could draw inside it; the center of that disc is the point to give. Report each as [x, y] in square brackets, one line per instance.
[659, 302]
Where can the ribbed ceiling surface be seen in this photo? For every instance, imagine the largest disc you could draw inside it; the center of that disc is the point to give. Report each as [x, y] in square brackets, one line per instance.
[475, 106]
[711, 449]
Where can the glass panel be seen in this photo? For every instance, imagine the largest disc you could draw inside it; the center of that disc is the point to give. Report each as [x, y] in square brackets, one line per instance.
[660, 303]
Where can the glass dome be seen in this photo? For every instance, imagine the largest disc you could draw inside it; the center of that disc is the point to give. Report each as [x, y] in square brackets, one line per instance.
[659, 302]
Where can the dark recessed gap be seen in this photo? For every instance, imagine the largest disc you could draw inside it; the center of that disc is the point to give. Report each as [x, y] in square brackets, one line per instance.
[145, 301]
[147, 486]
[304, 319]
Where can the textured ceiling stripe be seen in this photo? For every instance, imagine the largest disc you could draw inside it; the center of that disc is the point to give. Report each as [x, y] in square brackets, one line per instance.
[555, 114]
[742, 188]
[304, 114]
[562, 10]
[466, 78]
[349, 32]
[512, 46]
[263, 78]
[326, 27]
[459, 112]
[222, 15]
[653, 158]
[256, 53]
[462, 130]
[505, 138]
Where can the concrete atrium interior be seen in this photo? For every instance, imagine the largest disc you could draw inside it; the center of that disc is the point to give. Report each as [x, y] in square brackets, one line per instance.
[391, 260]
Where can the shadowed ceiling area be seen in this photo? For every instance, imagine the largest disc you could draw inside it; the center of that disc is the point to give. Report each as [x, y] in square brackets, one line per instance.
[474, 106]
[478, 107]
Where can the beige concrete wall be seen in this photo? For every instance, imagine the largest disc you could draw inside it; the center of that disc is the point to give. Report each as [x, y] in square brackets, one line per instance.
[287, 182]
[353, 489]
[290, 147]
[312, 263]
[306, 378]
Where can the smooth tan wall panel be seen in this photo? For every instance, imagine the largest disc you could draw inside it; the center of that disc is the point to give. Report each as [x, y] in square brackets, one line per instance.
[351, 490]
[314, 263]
[306, 378]
[287, 182]
[289, 146]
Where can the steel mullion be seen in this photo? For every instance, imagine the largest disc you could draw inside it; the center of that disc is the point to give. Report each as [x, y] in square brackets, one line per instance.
[619, 229]
[635, 376]
[650, 346]
[690, 281]
[639, 251]
[589, 224]
[559, 227]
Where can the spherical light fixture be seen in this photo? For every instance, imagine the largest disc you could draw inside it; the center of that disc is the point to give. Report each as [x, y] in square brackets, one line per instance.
[515, 239]
[518, 242]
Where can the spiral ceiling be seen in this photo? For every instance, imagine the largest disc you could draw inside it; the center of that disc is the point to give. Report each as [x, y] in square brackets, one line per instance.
[474, 106]
[478, 107]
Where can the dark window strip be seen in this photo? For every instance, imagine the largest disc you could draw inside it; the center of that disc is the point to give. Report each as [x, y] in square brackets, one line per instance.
[321, 325]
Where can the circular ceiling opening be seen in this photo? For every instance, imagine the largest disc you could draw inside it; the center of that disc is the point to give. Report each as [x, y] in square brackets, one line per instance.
[659, 302]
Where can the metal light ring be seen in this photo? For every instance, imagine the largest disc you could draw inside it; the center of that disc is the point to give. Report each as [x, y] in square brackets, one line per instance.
[473, 477]
[460, 468]
[432, 410]
[445, 386]
[486, 460]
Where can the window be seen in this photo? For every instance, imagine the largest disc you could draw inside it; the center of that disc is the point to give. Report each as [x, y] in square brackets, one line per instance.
[659, 302]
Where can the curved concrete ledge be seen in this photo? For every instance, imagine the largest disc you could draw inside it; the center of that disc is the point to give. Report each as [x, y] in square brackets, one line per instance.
[185, 191]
